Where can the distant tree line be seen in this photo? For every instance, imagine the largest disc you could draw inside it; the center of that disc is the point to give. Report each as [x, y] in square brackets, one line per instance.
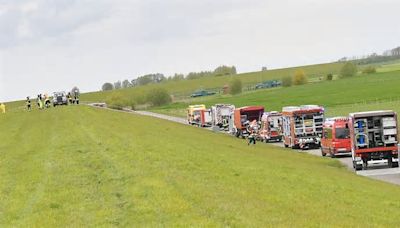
[159, 78]
[388, 55]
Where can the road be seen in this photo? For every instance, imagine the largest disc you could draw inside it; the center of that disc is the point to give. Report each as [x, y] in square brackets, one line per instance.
[378, 172]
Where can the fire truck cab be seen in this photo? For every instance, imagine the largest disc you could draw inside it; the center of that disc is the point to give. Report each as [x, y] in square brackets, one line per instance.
[271, 127]
[199, 115]
[374, 138]
[302, 126]
[336, 137]
[243, 117]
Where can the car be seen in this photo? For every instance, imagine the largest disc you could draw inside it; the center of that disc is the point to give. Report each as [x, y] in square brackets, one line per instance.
[268, 84]
[60, 98]
[202, 93]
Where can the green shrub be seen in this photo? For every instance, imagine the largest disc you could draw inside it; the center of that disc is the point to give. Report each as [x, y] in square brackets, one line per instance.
[158, 97]
[369, 70]
[116, 101]
[329, 77]
[300, 78]
[235, 86]
[287, 81]
[348, 70]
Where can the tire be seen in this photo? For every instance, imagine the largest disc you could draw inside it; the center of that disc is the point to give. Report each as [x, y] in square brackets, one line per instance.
[358, 167]
[286, 146]
[237, 133]
[332, 154]
[395, 165]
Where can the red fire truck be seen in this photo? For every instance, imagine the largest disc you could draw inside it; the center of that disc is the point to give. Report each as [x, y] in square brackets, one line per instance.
[336, 137]
[374, 138]
[271, 127]
[243, 117]
[302, 126]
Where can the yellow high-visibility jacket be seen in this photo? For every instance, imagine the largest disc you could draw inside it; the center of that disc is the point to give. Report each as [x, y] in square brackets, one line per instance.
[2, 108]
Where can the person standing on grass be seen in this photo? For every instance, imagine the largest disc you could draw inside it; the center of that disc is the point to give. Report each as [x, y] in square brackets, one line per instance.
[38, 99]
[3, 108]
[253, 130]
[28, 104]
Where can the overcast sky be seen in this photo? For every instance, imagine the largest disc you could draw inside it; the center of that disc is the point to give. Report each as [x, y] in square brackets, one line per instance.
[50, 45]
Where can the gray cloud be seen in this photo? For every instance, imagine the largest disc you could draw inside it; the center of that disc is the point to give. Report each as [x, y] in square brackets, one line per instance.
[25, 21]
[54, 45]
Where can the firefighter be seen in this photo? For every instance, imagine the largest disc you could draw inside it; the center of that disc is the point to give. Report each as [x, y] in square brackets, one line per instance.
[69, 98]
[3, 108]
[76, 100]
[38, 99]
[46, 101]
[225, 123]
[28, 104]
[253, 131]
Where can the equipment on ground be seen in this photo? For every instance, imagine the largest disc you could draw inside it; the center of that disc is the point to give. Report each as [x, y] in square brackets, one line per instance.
[336, 137]
[221, 114]
[302, 126]
[271, 127]
[60, 98]
[243, 117]
[374, 138]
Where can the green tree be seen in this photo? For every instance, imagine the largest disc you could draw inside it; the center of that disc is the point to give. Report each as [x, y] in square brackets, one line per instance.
[287, 81]
[348, 70]
[158, 97]
[300, 78]
[126, 84]
[369, 70]
[235, 86]
[107, 86]
[225, 70]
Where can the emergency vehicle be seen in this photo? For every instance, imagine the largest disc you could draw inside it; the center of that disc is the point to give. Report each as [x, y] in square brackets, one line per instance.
[243, 117]
[271, 127]
[302, 126]
[374, 138]
[336, 137]
[221, 114]
[199, 115]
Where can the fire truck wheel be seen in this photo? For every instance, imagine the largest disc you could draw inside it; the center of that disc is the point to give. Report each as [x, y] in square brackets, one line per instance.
[358, 167]
[286, 146]
[395, 164]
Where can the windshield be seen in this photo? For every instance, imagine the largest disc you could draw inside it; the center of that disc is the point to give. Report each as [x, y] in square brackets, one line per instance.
[342, 133]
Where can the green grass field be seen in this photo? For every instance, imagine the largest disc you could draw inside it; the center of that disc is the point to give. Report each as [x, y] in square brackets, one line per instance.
[79, 166]
[348, 95]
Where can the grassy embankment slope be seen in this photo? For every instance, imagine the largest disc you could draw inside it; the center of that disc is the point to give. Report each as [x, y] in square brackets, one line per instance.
[74, 166]
[360, 93]
[183, 89]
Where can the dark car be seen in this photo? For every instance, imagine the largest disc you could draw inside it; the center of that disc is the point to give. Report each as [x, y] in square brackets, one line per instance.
[268, 84]
[202, 93]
